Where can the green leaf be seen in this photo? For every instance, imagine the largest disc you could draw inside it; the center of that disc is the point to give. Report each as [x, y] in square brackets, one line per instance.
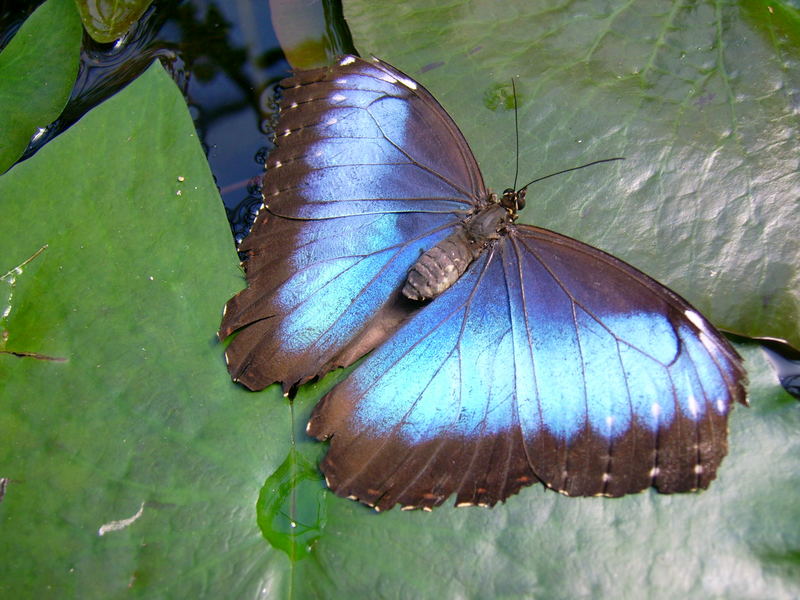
[37, 71]
[699, 97]
[138, 417]
[291, 506]
[108, 20]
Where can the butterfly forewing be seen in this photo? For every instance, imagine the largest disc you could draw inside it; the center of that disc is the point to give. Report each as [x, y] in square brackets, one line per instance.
[368, 172]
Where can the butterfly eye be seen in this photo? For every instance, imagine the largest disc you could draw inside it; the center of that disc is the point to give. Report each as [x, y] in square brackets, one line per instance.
[521, 198]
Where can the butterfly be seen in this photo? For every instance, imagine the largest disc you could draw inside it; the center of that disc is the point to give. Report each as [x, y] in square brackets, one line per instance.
[499, 354]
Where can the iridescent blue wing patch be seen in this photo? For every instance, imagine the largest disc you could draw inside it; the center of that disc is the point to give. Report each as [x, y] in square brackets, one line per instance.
[369, 171]
[549, 361]
[433, 411]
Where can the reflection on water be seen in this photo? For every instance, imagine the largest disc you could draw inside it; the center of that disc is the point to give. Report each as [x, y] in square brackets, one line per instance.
[225, 58]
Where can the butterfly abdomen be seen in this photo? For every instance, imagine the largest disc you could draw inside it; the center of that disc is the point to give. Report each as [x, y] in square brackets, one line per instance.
[441, 266]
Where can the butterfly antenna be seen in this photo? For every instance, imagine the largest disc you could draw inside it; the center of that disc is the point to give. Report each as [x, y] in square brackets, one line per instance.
[516, 130]
[594, 162]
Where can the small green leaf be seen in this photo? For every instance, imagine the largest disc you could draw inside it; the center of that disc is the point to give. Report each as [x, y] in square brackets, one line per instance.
[291, 507]
[37, 71]
[108, 20]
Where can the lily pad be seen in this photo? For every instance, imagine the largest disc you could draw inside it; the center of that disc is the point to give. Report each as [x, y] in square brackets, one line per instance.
[132, 463]
[700, 98]
[37, 71]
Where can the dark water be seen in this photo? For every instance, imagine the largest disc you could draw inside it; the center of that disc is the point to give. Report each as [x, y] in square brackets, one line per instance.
[225, 57]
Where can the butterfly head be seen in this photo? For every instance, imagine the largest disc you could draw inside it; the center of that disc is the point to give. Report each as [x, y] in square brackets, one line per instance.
[513, 201]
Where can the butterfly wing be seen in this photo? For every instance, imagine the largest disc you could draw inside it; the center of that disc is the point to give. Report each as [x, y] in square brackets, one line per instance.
[432, 412]
[550, 361]
[369, 171]
[634, 386]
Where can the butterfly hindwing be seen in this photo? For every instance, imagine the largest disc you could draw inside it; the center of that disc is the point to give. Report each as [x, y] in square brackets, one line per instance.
[368, 172]
[432, 412]
[550, 361]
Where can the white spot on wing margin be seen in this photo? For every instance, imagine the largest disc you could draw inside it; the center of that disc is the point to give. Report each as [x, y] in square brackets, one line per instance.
[408, 83]
[696, 319]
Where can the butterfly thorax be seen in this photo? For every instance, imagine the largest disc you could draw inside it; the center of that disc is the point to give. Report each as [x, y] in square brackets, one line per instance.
[438, 268]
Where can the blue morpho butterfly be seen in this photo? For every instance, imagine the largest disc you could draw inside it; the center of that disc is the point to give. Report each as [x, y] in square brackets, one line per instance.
[504, 354]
